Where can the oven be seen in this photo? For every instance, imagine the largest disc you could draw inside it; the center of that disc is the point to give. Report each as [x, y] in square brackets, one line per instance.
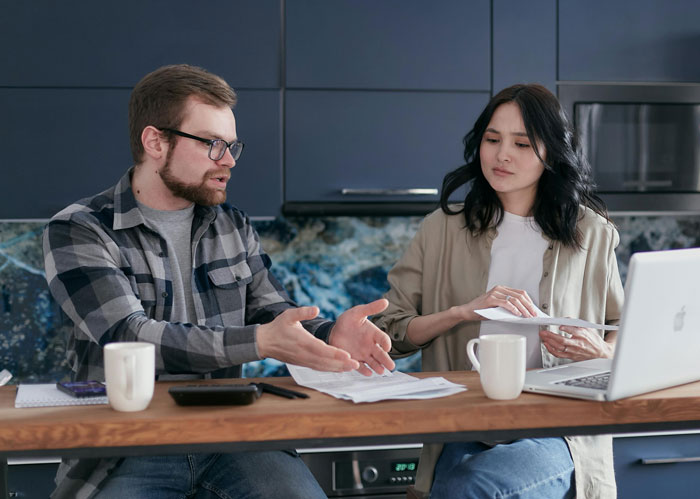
[376, 472]
[642, 140]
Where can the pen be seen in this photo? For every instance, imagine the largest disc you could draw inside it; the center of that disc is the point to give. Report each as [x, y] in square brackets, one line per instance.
[282, 392]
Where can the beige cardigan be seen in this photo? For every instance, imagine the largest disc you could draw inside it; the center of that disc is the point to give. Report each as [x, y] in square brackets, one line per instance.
[445, 265]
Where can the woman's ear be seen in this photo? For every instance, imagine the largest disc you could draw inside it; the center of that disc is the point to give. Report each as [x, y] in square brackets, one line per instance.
[154, 143]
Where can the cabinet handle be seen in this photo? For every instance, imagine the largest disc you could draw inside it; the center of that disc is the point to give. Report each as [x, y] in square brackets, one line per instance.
[670, 460]
[389, 192]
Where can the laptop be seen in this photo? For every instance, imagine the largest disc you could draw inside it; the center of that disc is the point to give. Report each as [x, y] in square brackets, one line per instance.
[658, 343]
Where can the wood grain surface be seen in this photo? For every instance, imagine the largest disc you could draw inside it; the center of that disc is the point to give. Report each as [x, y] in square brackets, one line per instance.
[274, 419]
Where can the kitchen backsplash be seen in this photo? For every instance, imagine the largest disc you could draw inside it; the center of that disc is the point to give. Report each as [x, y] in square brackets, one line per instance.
[331, 262]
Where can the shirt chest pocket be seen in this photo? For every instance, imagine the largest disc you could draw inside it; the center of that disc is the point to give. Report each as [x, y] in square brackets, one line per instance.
[229, 286]
[231, 277]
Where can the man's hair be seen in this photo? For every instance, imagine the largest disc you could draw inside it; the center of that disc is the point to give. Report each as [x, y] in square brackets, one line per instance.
[565, 184]
[159, 99]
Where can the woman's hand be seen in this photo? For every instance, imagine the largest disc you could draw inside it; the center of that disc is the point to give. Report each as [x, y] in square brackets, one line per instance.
[424, 328]
[514, 300]
[583, 344]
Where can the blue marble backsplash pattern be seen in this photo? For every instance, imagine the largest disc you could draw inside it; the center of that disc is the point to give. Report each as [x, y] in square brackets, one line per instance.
[331, 262]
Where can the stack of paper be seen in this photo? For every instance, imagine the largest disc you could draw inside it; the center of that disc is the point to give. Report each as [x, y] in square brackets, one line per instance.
[358, 388]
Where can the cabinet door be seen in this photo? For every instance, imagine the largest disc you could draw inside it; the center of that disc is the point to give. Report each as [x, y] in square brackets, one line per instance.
[60, 145]
[524, 43]
[256, 180]
[657, 466]
[90, 43]
[388, 44]
[337, 140]
[645, 40]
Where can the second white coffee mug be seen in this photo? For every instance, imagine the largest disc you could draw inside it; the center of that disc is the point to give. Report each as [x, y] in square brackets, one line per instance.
[501, 364]
[129, 374]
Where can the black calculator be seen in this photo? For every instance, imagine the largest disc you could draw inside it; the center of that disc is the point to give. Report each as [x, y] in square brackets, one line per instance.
[215, 394]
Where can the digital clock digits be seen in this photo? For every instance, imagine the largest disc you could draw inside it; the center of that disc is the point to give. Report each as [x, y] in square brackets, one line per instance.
[400, 466]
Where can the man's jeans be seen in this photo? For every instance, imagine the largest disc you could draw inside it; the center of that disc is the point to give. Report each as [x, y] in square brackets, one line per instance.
[222, 476]
[538, 468]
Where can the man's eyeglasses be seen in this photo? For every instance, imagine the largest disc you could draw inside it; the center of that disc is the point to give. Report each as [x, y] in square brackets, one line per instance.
[217, 147]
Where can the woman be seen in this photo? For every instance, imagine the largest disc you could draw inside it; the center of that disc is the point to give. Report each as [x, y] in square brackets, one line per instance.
[530, 232]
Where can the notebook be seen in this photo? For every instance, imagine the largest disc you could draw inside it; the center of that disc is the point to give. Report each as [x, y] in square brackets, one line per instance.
[47, 395]
[658, 343]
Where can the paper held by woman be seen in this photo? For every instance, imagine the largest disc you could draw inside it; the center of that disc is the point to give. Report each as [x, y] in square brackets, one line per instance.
[502, 315]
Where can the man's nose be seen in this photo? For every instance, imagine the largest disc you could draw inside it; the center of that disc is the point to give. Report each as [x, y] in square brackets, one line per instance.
[227, 159]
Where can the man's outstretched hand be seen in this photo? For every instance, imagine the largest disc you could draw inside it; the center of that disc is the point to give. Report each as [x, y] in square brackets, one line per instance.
[285, 339]
[365, 342]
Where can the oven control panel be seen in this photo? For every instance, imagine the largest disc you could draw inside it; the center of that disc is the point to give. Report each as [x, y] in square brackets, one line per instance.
[364, 472]
[374, 472]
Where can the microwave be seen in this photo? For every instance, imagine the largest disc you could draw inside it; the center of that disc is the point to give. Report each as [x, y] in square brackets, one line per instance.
[642, 141]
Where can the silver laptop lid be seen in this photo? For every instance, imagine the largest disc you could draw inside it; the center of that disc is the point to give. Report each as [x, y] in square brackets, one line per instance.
[658, 344]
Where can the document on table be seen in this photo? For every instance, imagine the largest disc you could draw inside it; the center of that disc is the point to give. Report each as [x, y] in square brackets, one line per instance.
[502, 315]
[5, 376]
[391, 385]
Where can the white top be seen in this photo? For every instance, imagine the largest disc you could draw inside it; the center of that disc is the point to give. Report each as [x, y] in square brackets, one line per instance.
[516, 262]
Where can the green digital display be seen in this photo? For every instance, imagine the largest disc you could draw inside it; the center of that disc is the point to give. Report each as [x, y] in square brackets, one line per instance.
[399, 466]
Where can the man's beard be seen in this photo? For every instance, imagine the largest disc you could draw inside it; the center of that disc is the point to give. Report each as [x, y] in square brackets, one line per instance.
[195, 193]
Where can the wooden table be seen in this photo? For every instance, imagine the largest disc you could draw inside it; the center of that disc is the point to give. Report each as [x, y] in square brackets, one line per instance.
[322, 421]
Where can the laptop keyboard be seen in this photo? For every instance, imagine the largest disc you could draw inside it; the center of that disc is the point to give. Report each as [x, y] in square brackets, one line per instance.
[595, 381]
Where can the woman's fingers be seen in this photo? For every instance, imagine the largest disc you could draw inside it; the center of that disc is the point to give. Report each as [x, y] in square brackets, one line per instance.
[516, 301]
[578, 344]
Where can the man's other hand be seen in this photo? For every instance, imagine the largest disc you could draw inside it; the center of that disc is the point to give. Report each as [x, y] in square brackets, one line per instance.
[286, 340]
[365, 342]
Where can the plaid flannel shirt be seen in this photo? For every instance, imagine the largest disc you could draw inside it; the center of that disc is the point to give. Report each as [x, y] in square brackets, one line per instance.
[111, 275]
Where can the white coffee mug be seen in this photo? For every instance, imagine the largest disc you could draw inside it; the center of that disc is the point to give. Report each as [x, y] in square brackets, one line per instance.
[501, 364]
[129, 374]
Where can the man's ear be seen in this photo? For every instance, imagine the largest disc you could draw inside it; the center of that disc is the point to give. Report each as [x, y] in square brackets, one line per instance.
[154, 143]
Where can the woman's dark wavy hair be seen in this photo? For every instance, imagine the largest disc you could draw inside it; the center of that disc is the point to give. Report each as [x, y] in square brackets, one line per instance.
[564, 185]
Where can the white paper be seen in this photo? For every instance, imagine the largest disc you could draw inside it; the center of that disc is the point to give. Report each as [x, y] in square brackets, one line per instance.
[502, 315]
[5, 376]
[354, 386]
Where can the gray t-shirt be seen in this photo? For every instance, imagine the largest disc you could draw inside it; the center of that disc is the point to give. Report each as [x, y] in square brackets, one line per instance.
[176, 228]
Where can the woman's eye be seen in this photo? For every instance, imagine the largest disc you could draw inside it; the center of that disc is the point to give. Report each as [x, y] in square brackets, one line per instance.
[490, 140]
[522, 144]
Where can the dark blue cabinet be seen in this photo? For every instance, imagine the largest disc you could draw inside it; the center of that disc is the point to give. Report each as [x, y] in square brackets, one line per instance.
[524, 43]
[661, 465]
[256, 180]
[360, 140]
[388, 44]
[68, 70]
[96, 44]
[644, 40]
[343, 94]
[60, 145]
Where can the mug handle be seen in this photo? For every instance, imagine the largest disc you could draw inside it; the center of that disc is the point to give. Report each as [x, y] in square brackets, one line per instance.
[472, 355]
[130, 372]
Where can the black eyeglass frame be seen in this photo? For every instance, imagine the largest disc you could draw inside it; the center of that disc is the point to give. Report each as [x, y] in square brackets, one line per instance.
[235, 153]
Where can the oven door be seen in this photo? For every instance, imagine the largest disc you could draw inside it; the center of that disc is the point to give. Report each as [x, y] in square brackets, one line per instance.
[642, 140]
[641, 147]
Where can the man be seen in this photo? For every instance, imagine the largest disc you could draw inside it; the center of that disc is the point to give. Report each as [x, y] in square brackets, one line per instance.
[161, 258]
